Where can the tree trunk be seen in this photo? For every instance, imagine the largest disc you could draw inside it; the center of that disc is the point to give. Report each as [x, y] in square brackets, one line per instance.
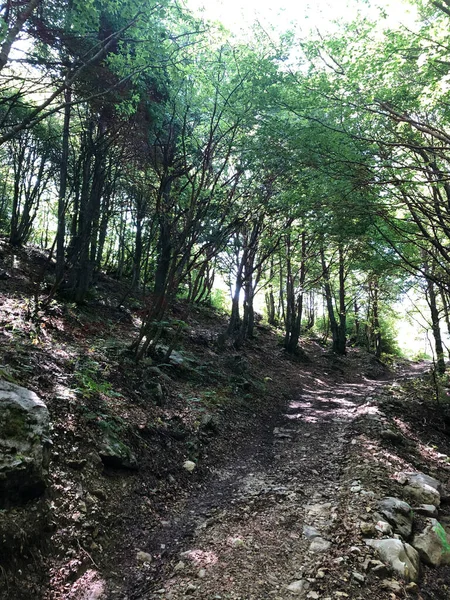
[435, 325]
[334, 327]
[62, 201]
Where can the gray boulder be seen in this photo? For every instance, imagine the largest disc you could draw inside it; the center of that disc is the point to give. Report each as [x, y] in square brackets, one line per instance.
[399, 514]
[24, 445]
[400, 556]
[423, 488]
[433, 544]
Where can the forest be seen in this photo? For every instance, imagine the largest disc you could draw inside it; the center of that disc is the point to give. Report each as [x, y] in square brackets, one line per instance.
[140, 140]
[208, 239]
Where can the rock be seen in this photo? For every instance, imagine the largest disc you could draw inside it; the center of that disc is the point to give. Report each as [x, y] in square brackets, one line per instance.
[24, 444]
[99, 493]
[378, 568]
[355, 489]
[210, 423]
[201, 574]
[179, 566]
[310, 532]
[402, 557]
[313, 595]
[433, 544]
[143, 557]
[428, 510]
[399, 514]
[189, 465]
[319, 545]
[367, 528]
[422, 488]
[383, 527]
[358, 577]
[391, 585]
[158, 394]
[392, 436]
[175, 358]
[116, 454]
[297, 587]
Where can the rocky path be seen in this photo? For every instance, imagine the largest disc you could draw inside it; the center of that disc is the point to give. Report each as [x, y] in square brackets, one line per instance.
[274, 525]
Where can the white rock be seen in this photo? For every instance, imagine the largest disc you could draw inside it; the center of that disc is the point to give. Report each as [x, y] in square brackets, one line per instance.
[189, 465]
[297, 587]
[402, 557]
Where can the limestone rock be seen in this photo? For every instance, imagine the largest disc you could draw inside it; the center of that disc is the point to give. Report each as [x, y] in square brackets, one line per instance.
[319, 545]
[391, 585]
[297, 587]
[189, 465]
[400, 556]
[359, 577]
[433, 544]
[310, 532]
[143, 557]
[24, 444]
[116, 454]
[399, 514]
[423, 488]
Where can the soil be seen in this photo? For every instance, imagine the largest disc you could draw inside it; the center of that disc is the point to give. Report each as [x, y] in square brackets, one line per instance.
[284, 449]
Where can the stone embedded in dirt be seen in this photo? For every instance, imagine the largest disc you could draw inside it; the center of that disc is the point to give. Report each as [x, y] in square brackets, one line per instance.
[399, 514]
[358, 577]
[422, 488]
[116, 454]
[24, 444]
[297, 587]
[391, 585]
[319, 510]
[378, 568]
[281, 433]
[310, 532]
[402, 557]
[394, 437]
[143, 557]
[189, 465]
[433, 544]
[313, 595]
[355, 489]
[319, 545]
[367, 528]
[179, 566]
[201, 574]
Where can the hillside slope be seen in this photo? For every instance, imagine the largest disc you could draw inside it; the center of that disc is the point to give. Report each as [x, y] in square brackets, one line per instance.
[267, 437]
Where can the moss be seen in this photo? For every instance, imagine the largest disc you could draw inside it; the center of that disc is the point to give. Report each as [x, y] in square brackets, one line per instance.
[15, 424]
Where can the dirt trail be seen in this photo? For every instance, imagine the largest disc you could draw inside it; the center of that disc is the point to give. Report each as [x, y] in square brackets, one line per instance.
[273, 520]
